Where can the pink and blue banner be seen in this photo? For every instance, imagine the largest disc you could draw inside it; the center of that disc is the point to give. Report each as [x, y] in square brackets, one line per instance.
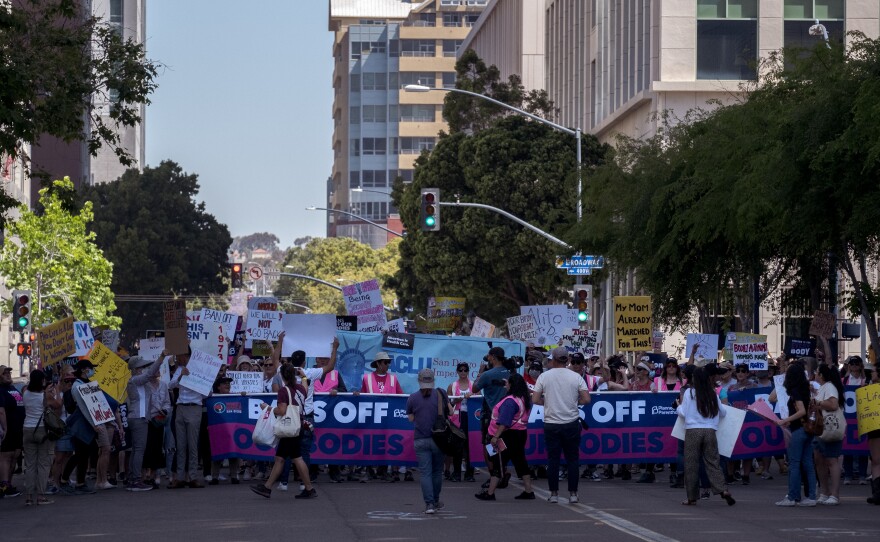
[625, 427]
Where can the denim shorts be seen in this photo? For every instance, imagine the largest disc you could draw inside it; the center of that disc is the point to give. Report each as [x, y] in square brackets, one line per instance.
[828, 450]
[64, 444]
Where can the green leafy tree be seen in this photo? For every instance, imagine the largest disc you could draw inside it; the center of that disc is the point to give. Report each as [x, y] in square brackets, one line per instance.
[337, 260]
[55, 253]
[160, 240]
[247, 243]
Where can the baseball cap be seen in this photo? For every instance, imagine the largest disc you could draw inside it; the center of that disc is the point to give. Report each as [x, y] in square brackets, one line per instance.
[4, 368]
[84, 364]
[577, 358]
[496, 351]
[559, 353]
[426, 379]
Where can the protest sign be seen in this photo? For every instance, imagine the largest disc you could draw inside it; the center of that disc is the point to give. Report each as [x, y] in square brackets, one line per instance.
[111, 372]
[445, 313]
[797, 347]
[657, 341]
[633, 323]
[245, 382]
[165, 371]
[523, 328]
[261, 304]
[265, 325]
[822, 324]
[82, 338]
[226, 318]
[657, 360]
[238, 303]
[868, 408]
[482, 328]
[110, 338]
[312, 333]
[97, 405]
[210, 336]
[56, 341]
[741, 338]
[752, 354]
[364, 300]
[174, 315]
[727, 434]
[552, 322]
[203, 369]
[347, 323]
[151, 348]
[398, 325]
[706, 343]
[585, 341]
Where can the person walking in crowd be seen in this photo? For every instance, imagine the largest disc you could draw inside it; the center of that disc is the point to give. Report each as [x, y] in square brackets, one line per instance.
[159, 400]
[381, 381]
[288, 447]
[12, 431]
[561, 391]
[459, 391]
[855, 468]
[490, 383]
[701, 410]
[64, 445]
[742, 381]
[827, 453]
[38, 397]
[79, 424]
[508, 435]
[329, 382]
[187, 422]
[422, 412]
[139, 396]
[800, 444]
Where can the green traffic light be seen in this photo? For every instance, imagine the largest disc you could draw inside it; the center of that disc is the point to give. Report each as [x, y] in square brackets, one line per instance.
[23, 322]
[430, 221]
[582, 317]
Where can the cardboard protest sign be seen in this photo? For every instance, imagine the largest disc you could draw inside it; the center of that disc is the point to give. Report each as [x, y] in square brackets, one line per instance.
[96, 403]
[82, 338]
[203, 369]
[633, 323]
[110, 338]
[706, 343]
[482, 328]
[741, 338]
[729, 427]
[868, 408]
[208, 336]
[312, 333]
[346, 323]
[552, 321]
[265, 325]
[398, 325]
[445, 313]
[523, 328]
[752, 354]
[174, 315]
[111, 372]
[585, 341]
[226, 318]
[151, 348]
[245, 382]
[797, 347]
[364, 300]
[56, 341]
[822, 324]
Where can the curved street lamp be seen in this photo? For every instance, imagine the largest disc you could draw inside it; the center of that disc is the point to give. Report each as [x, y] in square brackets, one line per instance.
[313, 208]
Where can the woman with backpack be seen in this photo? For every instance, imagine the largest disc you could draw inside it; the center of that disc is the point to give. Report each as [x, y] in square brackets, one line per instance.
[38, 396]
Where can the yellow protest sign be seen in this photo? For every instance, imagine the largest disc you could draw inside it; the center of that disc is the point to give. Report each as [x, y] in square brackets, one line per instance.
[868, 408]
[633, 323]
[55, 341]
[445, 313]
[111, 372]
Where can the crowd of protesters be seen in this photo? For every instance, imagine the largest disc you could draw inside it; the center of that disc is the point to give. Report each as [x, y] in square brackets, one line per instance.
[161, 430]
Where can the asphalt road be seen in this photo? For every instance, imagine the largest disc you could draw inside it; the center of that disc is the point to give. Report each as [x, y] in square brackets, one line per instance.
[609, 511]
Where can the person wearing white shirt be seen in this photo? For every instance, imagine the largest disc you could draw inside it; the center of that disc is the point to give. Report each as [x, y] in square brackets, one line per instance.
[187, 420]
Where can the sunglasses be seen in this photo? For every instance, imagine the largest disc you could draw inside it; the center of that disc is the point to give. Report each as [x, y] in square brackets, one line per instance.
[463, 371]
[385, 361]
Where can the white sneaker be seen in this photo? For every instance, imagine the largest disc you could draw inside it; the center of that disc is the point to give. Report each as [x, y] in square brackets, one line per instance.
[302, 486]
[847, 481]
[831, 501]
[222, 478]
[863, 481]
[208, 478]
[247, 476]
[807, 502]
[553, 498]
[282, 486]
[821, 499]
[596, 477]
[429, 509]
[573, 499]
[786, 502]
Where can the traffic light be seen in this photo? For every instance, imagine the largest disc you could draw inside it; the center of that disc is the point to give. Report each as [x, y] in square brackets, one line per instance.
[429, 211]
[237, 281]
[24, 349]
[583, 297]
[21, 310]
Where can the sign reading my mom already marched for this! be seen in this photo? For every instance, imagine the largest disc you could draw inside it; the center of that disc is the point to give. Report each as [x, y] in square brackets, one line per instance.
[174, 313]
[633, 323]
[56, 341]
[111, 372]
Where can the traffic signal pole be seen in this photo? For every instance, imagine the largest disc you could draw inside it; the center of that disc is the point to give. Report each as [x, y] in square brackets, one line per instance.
[504, 213]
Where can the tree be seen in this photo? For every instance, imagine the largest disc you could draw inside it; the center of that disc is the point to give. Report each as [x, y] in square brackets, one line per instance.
[57, 65]
[247, 243]
[55, 253]
[499, 159]
[159, 239]
[337, 260]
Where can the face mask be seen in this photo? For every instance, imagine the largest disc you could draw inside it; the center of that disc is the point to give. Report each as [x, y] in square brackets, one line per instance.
[89, 373]
[651, 374]
[534, 374]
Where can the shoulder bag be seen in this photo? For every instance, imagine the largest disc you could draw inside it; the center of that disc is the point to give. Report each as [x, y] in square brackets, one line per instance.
[814, 423]
[447, 436]
[55, 426]
[290, 423]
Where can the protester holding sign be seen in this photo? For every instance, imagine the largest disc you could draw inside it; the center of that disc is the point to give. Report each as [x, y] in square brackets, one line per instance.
[187, 420]
[854, 375]
[827, 452]
[142, 370]
[159, 416]
[800, 444]
[80, 426]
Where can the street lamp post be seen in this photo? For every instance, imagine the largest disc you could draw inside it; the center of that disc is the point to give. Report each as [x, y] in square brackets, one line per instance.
[313, 208]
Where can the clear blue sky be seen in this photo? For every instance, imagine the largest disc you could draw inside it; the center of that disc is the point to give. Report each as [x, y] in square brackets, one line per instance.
[245, 102]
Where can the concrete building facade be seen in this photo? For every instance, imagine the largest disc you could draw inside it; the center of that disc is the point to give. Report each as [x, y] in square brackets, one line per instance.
[379, 129]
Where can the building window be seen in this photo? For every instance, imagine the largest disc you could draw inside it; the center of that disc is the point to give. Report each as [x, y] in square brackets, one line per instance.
[354, 179]
[453, 19]
[470, 19]
[374, 146]
[426, 19]
[418, 48]
[393, 113]
[393, 146]
[727, 39]
[417, 113]
[450, 2]
[428, 79]
[415, 145]
[355, 82]
[406, 175]
[116, 15]
[374, 81]
[450, 47]
[354, 115]
[354, 148]
[374, 113]
[800, 15]
[375, 178]
[394, 48]
[372, 22]
[477, 2]
[393, 80]
[448, 79]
